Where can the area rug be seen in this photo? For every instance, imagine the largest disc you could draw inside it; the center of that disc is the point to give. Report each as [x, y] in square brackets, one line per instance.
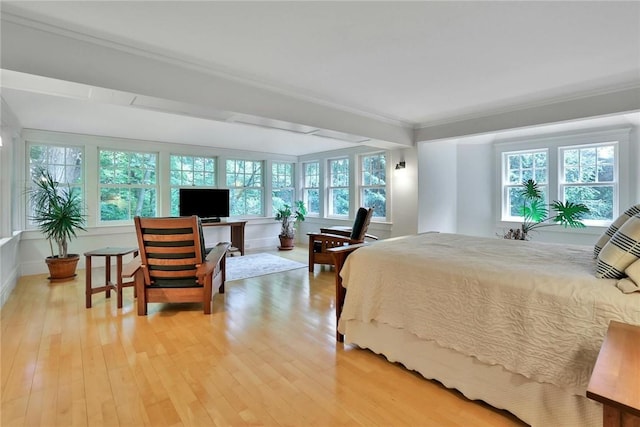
[241, 267]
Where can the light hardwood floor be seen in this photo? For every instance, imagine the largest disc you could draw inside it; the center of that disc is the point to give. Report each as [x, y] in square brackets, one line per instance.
[266, 356]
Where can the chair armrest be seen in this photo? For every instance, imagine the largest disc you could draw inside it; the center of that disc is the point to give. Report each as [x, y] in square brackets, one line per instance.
[332, 237]
[370, 236]
[213, 259]
[336, 231]
[130, 268]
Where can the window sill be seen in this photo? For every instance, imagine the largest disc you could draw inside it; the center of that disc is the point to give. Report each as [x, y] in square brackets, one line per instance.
[595, 230]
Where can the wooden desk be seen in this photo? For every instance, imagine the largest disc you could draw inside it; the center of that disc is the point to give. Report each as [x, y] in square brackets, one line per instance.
[237, 232]
[108, 285]
[615, 381]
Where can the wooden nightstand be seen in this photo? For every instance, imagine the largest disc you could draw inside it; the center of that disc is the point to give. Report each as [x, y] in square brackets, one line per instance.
[615, 381]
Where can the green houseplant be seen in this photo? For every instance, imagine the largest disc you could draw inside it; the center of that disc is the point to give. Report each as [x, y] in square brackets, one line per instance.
[537, 214]
[58, 214]
[289, 219]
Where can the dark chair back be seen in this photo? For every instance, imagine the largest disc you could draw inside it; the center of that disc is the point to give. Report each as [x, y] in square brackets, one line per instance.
[361, 223]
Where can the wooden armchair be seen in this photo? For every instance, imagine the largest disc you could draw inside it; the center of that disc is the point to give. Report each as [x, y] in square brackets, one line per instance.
[172, 266]
[331, 237]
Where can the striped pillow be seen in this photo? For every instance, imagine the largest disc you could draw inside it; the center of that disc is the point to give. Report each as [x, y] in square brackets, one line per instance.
[622, 250]
[615, 226]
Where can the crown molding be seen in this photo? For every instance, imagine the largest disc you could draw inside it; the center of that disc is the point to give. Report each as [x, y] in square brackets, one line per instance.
[482, 113]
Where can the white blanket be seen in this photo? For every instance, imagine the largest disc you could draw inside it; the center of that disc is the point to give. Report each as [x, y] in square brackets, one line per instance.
[536, 309]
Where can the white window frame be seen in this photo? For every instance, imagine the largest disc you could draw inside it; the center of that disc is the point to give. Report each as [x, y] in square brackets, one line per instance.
[507, 185]
[49, 166]
[189, 182]
[553, 142]
[258, 186]
[101, 186]
[276, 181]
[615, 183]
[365, 187]
[307, 180]
[332, 188]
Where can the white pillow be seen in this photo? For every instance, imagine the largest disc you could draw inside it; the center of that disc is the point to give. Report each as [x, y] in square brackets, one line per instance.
[627, 286]
[633, 271]
[615, 226]
[622, 250]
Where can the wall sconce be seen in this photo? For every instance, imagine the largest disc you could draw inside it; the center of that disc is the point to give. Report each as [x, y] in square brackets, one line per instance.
[401, 165]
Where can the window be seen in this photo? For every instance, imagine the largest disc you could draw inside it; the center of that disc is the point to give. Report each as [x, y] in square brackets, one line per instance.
[588, 175]
[373, 191]
[311, 187]
[579, 168]
[127, 185]
[189, 171]
[282, 185]
[518, 167]
[62, 162]
[245, 183]
[338, 187]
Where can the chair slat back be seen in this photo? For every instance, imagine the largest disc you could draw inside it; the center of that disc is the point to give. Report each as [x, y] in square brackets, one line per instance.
[361, 223]
[171, 249]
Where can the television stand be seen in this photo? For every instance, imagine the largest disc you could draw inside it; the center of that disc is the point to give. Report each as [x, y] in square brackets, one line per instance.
[237, 232]
[209, 220]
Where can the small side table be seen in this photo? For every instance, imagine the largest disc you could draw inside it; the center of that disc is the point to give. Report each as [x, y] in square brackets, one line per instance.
[108, 285]
[615, 381]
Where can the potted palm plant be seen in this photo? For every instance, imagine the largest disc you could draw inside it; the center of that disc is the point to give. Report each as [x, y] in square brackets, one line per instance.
[536, 213]
[58, 214]
[289, 219]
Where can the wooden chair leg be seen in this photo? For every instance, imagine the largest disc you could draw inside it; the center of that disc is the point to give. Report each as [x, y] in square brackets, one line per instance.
[141, 294]
[223, 274]
[208, 294]
[311, 265]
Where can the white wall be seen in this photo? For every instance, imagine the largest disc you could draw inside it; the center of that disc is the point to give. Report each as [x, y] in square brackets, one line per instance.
[33, 249]
[459, 190]
[9, 241]
[404, 193]
[260, 233]
[475, 191]
[634, 161]
[438, 186]
[9, 266]
[575, 108]
[402, 207]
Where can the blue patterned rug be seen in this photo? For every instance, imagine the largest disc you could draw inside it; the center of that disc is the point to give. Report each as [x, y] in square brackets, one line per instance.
[241, 267]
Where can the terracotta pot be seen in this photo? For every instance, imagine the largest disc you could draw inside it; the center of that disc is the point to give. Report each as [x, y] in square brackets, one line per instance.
[62, 269]
[286, 243]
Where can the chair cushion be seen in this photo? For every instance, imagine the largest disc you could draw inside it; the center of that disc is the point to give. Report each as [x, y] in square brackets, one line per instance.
[189, 282]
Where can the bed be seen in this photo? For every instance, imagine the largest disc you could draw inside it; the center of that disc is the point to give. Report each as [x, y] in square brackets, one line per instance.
[517, 324]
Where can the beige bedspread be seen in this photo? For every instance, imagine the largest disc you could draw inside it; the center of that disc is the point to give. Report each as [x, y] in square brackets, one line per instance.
[534, 308]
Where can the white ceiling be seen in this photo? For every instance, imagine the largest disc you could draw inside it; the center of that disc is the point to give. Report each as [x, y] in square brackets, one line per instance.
[414, 63]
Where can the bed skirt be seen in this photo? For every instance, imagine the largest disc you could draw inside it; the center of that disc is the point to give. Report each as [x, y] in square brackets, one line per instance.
[537, 404]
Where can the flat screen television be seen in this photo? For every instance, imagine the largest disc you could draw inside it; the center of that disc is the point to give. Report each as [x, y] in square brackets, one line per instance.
[210, 204]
